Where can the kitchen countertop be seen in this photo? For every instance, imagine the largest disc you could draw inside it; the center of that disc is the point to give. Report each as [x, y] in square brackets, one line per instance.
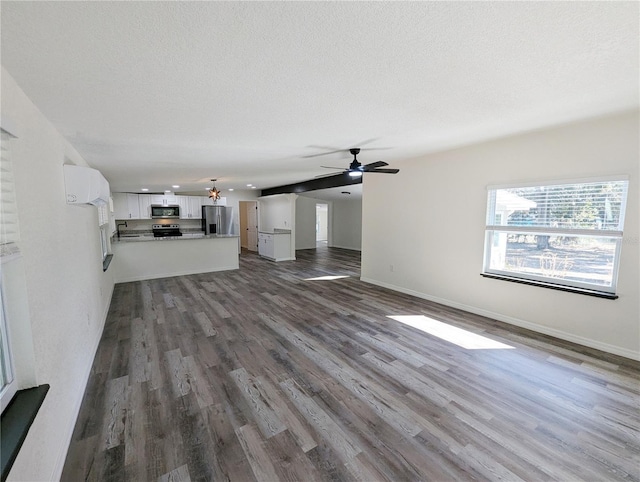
[276, 231]
[129, 238]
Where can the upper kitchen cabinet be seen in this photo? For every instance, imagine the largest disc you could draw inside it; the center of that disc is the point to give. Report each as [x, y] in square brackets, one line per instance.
[164, 199]
[191, 206]
[125, 206]
[195, 205]
[145, 202]
[183, 202]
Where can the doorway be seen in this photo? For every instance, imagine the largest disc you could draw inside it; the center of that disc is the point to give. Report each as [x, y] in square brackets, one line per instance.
[249, 225]
[322, 225]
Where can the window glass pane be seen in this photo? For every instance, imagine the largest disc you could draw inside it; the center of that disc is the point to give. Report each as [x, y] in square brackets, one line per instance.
[592, 205]
[6, 370]
[560, 259]
[104, 243]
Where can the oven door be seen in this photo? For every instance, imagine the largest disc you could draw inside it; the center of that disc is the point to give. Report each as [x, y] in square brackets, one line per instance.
[165, 212]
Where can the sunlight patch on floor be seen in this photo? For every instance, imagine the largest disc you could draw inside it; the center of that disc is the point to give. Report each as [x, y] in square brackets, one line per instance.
[452, 334]
[325, 278]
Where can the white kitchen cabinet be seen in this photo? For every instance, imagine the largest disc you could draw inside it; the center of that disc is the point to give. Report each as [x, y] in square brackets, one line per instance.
[275, 246]
[125, 206]
[144, 202]
[196, 203]
[183, 202]
[191, 206]
[265, 245]
[164, 199]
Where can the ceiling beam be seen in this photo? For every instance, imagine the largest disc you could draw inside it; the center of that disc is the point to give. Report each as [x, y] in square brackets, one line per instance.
[342, 179]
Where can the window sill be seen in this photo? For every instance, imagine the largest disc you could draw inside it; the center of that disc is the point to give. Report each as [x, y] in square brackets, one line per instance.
[16, 420]
[569, 289]
[106, 262]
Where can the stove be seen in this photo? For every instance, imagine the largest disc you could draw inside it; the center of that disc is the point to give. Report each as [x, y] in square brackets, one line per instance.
[166, 230]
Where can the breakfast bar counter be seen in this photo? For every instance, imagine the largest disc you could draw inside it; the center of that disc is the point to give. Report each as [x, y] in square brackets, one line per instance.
[137, 258]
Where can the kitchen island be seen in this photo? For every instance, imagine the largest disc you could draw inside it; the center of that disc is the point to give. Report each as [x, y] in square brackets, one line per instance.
[137, 258]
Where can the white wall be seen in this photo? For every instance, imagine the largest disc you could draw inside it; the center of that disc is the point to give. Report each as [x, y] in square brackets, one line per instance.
[306, 222]
[347, 224]
[435, 240]
[67, 293]
[276, 212]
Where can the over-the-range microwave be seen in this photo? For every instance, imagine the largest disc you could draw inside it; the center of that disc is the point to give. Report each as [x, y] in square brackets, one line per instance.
[158, 211]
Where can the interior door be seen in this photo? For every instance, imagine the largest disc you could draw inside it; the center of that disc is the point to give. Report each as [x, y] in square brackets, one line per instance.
[252, 226]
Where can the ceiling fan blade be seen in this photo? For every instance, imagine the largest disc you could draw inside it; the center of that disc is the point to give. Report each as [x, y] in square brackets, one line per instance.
[327, 175]
[373, 165]
[330, 167]
[385, 171]
[333, 150]
[324, 153]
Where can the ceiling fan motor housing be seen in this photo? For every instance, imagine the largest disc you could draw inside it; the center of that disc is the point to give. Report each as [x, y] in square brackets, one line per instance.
[355, 164]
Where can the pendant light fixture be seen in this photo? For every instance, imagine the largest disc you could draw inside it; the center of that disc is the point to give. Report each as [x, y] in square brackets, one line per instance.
[213, 192]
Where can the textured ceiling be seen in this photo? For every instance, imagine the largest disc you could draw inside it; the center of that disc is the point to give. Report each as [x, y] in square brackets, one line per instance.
[161, 93]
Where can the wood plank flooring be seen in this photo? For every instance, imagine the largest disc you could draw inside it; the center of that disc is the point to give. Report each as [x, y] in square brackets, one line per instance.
[262, 374]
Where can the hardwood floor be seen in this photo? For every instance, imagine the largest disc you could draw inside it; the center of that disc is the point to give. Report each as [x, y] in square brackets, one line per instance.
[261, 374]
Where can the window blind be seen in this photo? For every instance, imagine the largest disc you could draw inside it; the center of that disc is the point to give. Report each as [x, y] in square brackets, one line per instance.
[9, 227]
[579, 206]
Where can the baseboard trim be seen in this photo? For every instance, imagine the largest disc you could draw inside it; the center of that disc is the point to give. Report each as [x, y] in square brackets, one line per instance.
[172, 274]
[350, 248]
[59, 466]
[545, 330]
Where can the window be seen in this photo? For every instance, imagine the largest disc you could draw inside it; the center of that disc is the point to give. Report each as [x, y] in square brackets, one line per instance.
[563, 235]
[9, 237]
[103, 220]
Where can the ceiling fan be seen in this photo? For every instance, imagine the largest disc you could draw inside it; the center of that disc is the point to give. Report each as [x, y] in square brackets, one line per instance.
[356, 169]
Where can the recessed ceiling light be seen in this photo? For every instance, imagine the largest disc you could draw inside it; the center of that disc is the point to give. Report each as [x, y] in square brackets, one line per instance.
[175, 186]
[249, 185]
[167, 191]
[253, 187]
[231, 189]
[144, 189]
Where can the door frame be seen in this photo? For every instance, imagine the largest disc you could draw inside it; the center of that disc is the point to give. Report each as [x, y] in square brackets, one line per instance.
[243, 217]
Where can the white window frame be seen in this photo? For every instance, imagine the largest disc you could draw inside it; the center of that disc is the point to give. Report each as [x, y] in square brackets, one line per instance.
[10, 384]
[103, 225]
[9, 236]
[571, 285]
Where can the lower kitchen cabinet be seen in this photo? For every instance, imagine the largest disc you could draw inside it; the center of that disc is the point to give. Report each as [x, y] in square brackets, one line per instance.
[275, 246]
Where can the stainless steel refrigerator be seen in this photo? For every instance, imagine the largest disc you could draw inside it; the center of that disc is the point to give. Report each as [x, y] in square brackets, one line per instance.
[217, 220]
